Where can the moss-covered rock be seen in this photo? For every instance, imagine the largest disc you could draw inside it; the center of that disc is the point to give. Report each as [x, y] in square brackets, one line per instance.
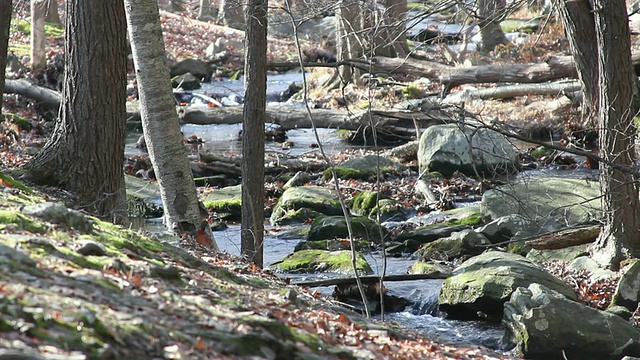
[331, 227]
[421, 267]
[143, 197]
[346, 173]
[299, 216]
[332, 245]
[225, 202]
[310, 261]
[459, 245]
[312, 197]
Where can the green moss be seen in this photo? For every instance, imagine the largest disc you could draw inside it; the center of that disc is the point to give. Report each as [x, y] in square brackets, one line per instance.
[347, 173]
[332, 245]
[365, 201]
[225, 209]
[22, 122]
[432, 175]
[472, 219]
[411, 92]
[13, 218]
[541, 151]
[20, 49]
[11, 182]
[50, 29]
[313, 260]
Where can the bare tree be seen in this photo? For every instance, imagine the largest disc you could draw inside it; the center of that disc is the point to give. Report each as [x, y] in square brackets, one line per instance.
[52, 16]
[488, 14]
[204, 11]
[231, 13]
[253, 131]
[612, 96]
[84, 153]
[5, 25]
[38, 37]
[182, 210]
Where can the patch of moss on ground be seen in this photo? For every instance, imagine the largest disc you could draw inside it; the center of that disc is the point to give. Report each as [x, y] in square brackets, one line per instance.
[7, 180]
[16, 219]
[50, 29]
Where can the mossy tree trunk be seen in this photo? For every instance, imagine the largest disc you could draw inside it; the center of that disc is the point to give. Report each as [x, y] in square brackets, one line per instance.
[84, 153]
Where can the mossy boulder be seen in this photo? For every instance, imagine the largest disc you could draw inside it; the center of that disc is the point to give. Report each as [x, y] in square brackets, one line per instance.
[360, 168]
[143, 197]
[459, 245]
[332, 227]
[314, 198]
[332, 245]
[365, 204]
[451, 147]
[301, 178]
[311, 261]
[225, 202]
[299, 216]
[484, 283]
[421, 267]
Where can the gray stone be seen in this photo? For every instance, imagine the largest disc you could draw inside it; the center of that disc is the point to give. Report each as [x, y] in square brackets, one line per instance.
[551, 203]
[61, 215]
[367, 162]
[505, 227]
[226, 202]
[186, 82]
[461, 244]
[91, 248]
[485, 282]
[544, 324]
[200, 69]
[567, 254]
[331, 227]
[312, 197]
[299, 179]
[446, 149]
[628, 290]
[589, 265]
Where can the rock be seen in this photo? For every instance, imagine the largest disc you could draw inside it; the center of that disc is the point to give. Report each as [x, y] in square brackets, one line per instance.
[367, 162]
[186, 82]
[544, 324]
[485, 282]
[166, 272]
[225, 202]
[332, 245]
[430, 233]
[445, 148]
[551, 203]
[458, 245]
[143, 197]
[589, 265]
[312, 197]
[332, 227]
[567, 254]
[627, 292]
[310, 261]
[421, 267]
[61, 215]
[299, 179]
[404, 248]
[9, 254]
[300, 216]
[216, 50]
[365, 204]
[200, 69]
[91, 248]
[504, 228]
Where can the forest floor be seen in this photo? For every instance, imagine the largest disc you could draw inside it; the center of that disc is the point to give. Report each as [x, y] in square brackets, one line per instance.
[145, 298]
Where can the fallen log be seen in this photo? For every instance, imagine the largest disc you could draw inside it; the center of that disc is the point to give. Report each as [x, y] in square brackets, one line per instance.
[47, 98]
[565, 238]
[371, 279]
[510, 91]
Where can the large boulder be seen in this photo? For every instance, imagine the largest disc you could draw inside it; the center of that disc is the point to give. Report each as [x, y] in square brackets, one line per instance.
[315, 198]
[544, 324]
[458, 246]
[197, 68]
[445, 149]
[627, 292]
[225, 202]
[482, 284]
[331, 227]
[311, 261]
[551, 203]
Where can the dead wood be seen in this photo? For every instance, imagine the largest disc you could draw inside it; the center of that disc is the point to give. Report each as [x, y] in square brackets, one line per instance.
[565, 238]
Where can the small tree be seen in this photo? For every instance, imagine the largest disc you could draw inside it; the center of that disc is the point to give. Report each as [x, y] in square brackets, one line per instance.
[38, 37]
[5, 25]
[253, 131]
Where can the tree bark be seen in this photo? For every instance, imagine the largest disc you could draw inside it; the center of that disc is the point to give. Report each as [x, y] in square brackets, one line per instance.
[38, 37]
[580, 29]
[252, 228]
[565, 238]
[231, 14]
[5, 25]
[348, 44]
[182, 210]
[52, 16]
[84, 153]
[204, 13]
[489, 13]
[620, 235]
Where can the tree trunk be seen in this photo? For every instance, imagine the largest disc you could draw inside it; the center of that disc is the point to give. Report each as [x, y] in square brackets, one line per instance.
[204, 13]
[397, 10]
[580, 29]
[620, 235]
[52, 16]
[182, 210]
[84, 153]
[231, 14]
[348, 44]
[5, 25]
[253, 131]
[38, 37]
[489, 15]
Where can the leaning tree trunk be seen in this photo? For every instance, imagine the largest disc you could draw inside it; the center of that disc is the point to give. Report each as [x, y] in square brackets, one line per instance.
[38, 37]
[489, 13]
[182, 210]
[231, 13]
[397, 10]
[620, 235]
[204, 12]
[84, 153]
[253, 131]
[5, 25]
[580, 29]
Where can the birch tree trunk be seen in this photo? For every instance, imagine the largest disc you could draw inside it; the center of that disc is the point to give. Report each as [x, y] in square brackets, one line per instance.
[38, 37]
[52, 15]
[255, 103]
[182, 210]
